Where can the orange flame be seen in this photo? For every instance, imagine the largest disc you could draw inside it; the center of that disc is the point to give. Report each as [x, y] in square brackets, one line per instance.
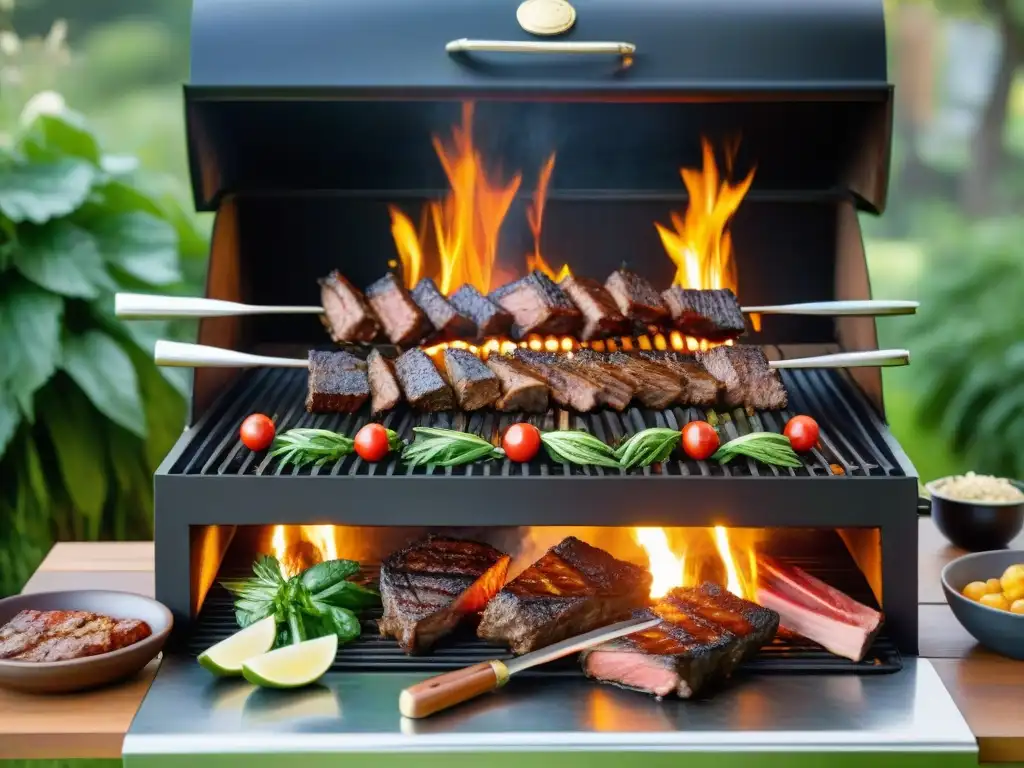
[714, 558]
[300, 547]
[535, 217]
[484, 349]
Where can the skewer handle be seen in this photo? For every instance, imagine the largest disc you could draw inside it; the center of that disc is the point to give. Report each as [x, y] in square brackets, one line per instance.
[178, 354]
[875, 358]
[866, 308]
[141, 306]
[443, 691]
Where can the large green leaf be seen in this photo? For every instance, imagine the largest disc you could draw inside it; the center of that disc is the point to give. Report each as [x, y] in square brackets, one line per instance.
[10, 418]
[142, 245]
[105, 373]
[62, 258]
[38, 192]
[52, 135]
[29, 339]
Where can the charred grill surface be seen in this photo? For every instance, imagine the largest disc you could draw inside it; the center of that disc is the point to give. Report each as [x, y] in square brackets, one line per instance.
[601, 315]
[337, 383]
[748, 380]
[521, 388]
[475, 385]
[44, 636]
[403, 321]
[572, 589]
[447, 321]
[489, 318]
[714, 315]
[347, 315]
[636, 298]
[567, 388]
[422, 384]
[537, 305]
[385, 393]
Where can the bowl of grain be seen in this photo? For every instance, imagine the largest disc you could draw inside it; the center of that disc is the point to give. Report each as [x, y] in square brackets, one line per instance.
[977, 512]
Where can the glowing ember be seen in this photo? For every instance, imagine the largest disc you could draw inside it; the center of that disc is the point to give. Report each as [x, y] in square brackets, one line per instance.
[484, 349]
[707, 555]
[535, 217]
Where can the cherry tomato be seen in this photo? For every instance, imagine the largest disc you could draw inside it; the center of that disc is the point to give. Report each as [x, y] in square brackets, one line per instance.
[802, 432]
[521, 442]
[257, 432]
[700, 440]
[371, 442]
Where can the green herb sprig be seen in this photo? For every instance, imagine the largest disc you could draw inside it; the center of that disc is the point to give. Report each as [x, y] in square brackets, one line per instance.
[311, 446]
[575, 447]
[765, 447]
[447, 448]
[648, 447]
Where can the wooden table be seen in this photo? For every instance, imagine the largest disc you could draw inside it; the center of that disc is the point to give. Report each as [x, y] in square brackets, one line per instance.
[988, 689]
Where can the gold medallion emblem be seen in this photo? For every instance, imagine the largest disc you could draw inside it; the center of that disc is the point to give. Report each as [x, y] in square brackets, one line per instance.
[546, 17]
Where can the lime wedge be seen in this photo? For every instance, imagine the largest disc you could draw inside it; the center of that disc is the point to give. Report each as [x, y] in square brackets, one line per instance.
[226, 657]
[294, 665]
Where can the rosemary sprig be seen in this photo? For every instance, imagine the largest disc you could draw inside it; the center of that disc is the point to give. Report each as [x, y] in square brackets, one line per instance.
[648, 447]
[447, 448]
[573, 447]
[311, 446]
[766, 447]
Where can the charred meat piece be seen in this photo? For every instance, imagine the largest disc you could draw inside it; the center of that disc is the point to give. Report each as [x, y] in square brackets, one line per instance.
[699, 387]
[447, 321]
[403, 321]
[635, 297]
[489, 318]
[432, 585]
[748, 380]
[537, 305]
[705, 634]
[422, 384]
[64, 635]
[521, 388]
[617, 386]
[385, 393]
[474, 383]
[347, 315]
[337, 383]
[567, 387]
[656, 387]
[601, 315]
[707, 314]
[572, 589]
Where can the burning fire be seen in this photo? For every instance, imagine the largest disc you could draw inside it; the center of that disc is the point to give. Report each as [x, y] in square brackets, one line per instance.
[535, 217]
[659, 341]
[299, 547]
[717, 558]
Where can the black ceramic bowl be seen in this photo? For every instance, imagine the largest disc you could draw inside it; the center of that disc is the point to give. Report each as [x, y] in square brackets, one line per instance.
[999, 631]
[974, 525]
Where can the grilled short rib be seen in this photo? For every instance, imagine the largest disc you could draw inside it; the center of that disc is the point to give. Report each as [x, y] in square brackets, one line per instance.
[636, 298]
[433, 584]
[422, 384]
[474, 383]
[655, 386]
[572, 589]
[385, 393]
[601, 315]
[403, 321]
[714, 315]
[446, 319]
[699, 386]
[705, 634]
[567, 388]
[521, 388]
[489, 318]
[537, 305]
[347, 314]
[63, 635]
[748, 380]
[610, 388]
[337, 383]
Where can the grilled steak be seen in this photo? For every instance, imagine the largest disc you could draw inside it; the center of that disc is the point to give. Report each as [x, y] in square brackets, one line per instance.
[601, 316]
[699, 387]
[474, 383]
[63, 635]
[337, 383]
[707, 314]
[447, 321]
[705, 634]
[537, 305]
[748, 380]
[635, 297]
[403, 321]
[488, 317]
[572, 589]
[385, 393]
[567, 388]
[617, 387]
[521, 388]
[347, 315]
[422, 384]
[655, 386]
[430, 586]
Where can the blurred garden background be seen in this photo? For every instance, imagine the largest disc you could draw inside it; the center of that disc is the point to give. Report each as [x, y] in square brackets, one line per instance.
[94, 200]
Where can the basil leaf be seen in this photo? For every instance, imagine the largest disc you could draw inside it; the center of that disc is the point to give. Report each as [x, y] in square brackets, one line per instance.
[340, 621]
[324, 575]
[647, 447]
[573, 447]
[268, 570]
[348, 594]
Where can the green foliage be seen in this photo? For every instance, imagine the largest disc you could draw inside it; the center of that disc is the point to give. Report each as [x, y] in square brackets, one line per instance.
[85, 415]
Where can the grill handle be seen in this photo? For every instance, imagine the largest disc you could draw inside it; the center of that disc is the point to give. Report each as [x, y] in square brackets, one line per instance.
[177, 354]
[861, 308]
[465, 45]
[140, 306]
[874, 358]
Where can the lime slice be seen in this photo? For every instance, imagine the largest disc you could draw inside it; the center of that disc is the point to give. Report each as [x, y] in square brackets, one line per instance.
[226, 657]
[293, 665]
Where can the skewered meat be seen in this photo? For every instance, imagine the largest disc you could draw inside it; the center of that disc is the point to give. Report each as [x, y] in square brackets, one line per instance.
[567, 388]
[700, 388]
[489, 318]
[749, 381]
[474, 383]
[385, 393]
[707, 314]
[617, 388]
[537, 305]
[521, 388]
[422, 384]
[572, 589]
[447, 321]
[403, 321]
[64, 635]
[655, 387]
[601, 316]
[429, 587]
[347, 315]
[636, 297]
[705, 635]
[337, 383]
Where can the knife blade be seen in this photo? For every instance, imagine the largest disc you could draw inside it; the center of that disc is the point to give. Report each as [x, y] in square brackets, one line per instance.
[443, 691]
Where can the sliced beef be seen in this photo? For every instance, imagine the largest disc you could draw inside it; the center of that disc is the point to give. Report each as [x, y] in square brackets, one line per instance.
[656, 387]
[44, 636]
[429, 587]
[572, 589]
[636, 298]
[569, 388]
[347, 315]
[748, 380]
[601, 315]
[700, 388]
[537, 305]
[705, 635]
[337, 383]
[489, 318]
[521, 388]
[617, 386]
[474, 383]
[385, 393]
[422, 384]
[446, 319]
[403, 321]
[707, 314]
